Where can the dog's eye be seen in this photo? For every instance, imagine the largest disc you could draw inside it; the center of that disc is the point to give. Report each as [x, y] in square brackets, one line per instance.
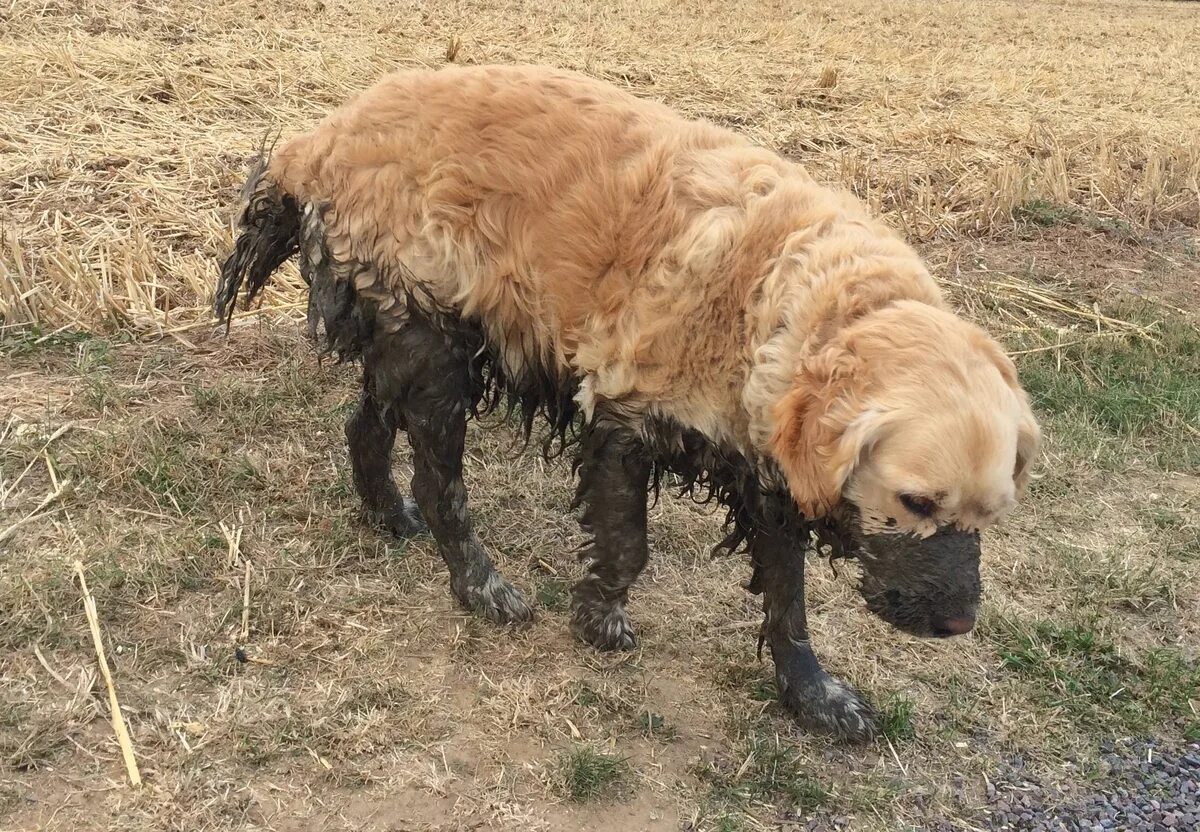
[918, 505]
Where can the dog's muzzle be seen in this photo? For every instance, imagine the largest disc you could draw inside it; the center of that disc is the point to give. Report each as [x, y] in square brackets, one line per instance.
[924, 586]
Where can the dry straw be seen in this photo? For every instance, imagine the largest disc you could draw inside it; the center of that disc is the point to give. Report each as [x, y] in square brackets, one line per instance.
[121, 153]
[118, 721]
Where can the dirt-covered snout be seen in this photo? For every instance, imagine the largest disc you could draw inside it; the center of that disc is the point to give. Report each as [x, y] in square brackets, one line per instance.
[912, 431]
[924, 586]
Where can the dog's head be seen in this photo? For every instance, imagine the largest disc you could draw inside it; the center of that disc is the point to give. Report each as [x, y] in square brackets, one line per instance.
[911, 431]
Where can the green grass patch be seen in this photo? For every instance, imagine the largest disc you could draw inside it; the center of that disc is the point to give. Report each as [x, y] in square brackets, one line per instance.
[34, 339]
[765, 770]
[586, 774]
[1103, 392]
[171, 471]
[1075, 667]
[170, 467]
[897, 718]
[554, 594]
[729, 823]
[1109, 578]
[1046, 214]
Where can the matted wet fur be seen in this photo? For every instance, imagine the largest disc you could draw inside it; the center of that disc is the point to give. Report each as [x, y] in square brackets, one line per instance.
[676, 305]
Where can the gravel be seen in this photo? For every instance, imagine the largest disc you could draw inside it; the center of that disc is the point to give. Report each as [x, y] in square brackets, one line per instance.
[1141, 786]
[1145, 787]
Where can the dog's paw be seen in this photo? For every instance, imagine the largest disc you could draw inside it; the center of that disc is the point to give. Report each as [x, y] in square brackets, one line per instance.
[403, 519]
[830, 706]
[604, 625]
[496, 600]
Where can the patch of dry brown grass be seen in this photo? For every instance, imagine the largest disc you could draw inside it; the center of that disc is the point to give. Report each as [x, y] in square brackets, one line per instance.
[128, 125]
[1043, 156]
[367, 697]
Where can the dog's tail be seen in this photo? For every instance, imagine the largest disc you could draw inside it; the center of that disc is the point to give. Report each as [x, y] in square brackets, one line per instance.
[268, 234]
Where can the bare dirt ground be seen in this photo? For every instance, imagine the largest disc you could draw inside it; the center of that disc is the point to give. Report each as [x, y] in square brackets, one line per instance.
[1042, 156]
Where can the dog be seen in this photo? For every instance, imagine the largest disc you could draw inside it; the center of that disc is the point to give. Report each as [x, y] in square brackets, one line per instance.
[668, 300]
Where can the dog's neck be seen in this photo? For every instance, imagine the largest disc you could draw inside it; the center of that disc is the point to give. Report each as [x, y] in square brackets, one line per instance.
[816, 288]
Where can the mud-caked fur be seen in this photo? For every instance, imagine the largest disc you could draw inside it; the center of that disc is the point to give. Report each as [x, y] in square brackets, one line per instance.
[677, 307]
[614, 474]
[777, 551]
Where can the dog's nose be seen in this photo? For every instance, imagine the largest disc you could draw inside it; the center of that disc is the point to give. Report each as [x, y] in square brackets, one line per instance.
[956, 626]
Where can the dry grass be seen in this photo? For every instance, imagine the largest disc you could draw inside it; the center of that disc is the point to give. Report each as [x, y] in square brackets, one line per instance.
[127, 123]
[317, 675]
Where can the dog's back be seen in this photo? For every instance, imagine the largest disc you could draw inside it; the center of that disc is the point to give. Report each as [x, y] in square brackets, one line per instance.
[534, 200]
[591, 234]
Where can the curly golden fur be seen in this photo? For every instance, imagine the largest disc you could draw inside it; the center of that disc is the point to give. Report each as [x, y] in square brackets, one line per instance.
[707, 308]
[676, 270]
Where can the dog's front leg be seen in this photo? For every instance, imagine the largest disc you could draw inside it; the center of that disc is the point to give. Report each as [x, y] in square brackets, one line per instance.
[614, 471]
[820, 702]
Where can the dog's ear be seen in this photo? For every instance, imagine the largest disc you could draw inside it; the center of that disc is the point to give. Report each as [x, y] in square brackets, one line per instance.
[1029, 435]
[1029, 439]
[821, 430]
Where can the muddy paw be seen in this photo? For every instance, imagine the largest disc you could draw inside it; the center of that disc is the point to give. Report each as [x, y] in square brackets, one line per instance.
[496, 600]
[403, 518]
[830, 706]
[605, 626]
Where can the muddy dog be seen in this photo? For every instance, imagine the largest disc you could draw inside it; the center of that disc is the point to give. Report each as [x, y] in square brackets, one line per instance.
[677, 300]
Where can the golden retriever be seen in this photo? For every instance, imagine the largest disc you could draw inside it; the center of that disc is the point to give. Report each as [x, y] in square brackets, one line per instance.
[679, 301]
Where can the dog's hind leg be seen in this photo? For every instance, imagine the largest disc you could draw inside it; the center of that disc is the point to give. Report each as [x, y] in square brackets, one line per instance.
[370, 435]
[614, 474]
[432, 370]
[371, 429]
[820, 701]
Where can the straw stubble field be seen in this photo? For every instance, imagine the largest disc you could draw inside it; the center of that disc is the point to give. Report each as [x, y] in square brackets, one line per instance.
[1042, 156]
